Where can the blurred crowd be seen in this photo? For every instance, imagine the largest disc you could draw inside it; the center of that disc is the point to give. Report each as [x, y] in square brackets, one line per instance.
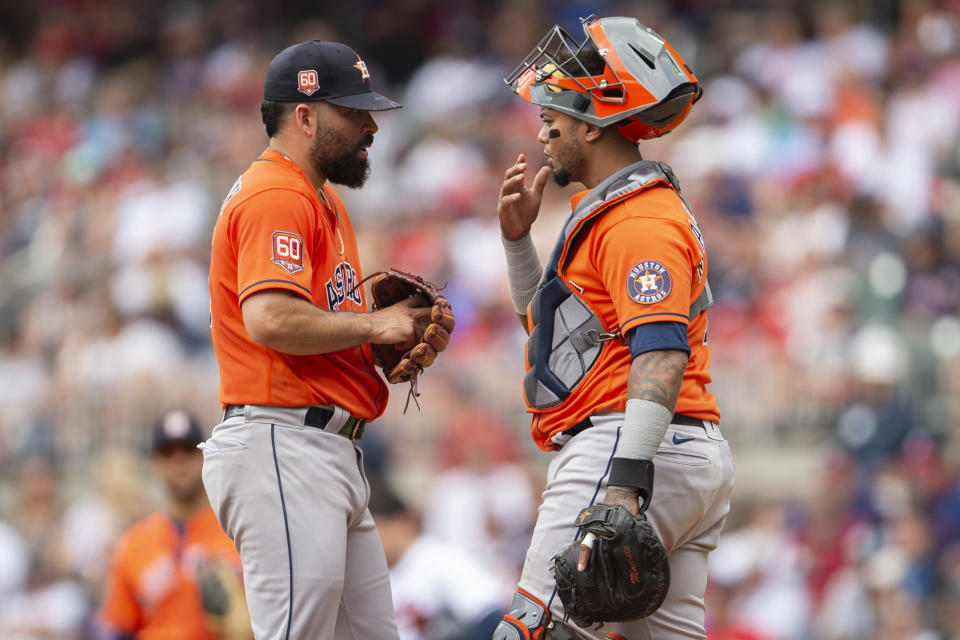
[823, 164]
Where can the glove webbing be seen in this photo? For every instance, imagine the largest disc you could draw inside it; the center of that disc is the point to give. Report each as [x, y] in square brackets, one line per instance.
[413, 393]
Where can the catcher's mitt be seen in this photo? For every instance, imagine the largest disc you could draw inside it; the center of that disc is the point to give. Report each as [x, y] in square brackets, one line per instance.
[627, 576]
[391, 287]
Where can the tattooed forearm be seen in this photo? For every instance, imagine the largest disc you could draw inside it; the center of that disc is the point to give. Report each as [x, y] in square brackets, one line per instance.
[656, 376]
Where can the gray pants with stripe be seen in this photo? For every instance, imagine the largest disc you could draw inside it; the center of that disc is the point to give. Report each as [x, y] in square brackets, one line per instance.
[691, 499]
[294, 500]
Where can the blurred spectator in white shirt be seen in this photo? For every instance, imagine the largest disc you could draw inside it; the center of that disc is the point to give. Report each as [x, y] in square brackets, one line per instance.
[441, 591]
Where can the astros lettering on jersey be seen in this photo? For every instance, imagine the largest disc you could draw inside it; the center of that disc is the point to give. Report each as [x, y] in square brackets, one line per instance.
[287, 238]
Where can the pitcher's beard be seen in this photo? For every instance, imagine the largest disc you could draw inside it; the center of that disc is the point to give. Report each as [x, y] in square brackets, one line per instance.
[337, 160]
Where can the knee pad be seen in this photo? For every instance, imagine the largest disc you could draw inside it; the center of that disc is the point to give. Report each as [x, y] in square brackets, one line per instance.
[528, 619]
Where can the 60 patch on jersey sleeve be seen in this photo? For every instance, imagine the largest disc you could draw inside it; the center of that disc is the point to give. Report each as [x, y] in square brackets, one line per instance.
[288, 251]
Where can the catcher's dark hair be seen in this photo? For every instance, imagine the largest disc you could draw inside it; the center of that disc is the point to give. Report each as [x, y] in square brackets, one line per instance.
[272, 113]
[592, 60]
[589, 57]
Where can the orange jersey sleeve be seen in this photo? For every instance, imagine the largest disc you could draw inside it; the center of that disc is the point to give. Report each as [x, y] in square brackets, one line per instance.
[645, 265]
[273, 233]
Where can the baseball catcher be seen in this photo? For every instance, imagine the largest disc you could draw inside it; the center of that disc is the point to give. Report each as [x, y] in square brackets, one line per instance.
[617, 360]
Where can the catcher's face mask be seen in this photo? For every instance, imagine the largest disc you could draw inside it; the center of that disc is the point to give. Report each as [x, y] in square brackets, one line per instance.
[622, 73]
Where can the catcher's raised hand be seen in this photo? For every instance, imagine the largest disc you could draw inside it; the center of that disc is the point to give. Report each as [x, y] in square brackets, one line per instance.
[518, 206]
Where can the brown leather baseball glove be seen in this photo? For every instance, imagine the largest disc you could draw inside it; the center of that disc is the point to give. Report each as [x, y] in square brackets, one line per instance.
[390, 287]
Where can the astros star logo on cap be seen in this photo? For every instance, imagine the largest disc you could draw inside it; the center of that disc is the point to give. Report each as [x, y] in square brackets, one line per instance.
[364, 73]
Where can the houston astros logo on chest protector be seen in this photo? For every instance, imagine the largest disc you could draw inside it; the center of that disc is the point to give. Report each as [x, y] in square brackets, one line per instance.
[649, 282]
[343, 286]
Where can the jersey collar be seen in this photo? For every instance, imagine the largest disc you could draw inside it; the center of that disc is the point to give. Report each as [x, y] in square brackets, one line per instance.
[272, 155]
[577, 197]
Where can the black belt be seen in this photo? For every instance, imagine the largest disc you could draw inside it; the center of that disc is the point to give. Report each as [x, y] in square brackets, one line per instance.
[678, 418]
[318, 417]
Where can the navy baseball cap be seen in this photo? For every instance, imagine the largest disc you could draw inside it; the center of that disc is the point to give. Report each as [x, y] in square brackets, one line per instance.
[328, 71]
[175, 429]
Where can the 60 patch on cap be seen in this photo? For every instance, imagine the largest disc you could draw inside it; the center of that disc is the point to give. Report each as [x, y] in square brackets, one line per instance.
[307, 82]
[329, 71]
[649, 282]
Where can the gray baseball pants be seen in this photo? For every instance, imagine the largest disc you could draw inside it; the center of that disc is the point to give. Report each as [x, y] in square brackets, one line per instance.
[294, 500]
[691, 499]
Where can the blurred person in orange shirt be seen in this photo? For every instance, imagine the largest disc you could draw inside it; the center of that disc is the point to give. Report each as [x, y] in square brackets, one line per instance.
[175, 573]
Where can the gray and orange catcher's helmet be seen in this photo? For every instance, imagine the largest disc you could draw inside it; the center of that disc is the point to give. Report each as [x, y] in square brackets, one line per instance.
[623, 74]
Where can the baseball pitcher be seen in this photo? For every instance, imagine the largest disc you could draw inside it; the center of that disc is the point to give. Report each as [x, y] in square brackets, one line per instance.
[293, 334]
[617, 355]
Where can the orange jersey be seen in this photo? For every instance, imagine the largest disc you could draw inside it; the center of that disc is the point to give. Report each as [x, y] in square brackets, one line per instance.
[641, 261]
[274, 232]
[152, 591]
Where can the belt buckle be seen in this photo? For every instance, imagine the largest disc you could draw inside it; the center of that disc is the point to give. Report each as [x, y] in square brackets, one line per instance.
[353, 429]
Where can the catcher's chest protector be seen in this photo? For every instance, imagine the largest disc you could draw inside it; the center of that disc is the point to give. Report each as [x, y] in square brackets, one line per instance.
[566, 335]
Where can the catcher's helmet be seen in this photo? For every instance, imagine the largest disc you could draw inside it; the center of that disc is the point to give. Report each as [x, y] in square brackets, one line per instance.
[623, 73]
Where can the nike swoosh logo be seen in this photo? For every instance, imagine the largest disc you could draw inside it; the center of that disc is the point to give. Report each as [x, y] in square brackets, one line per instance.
[677, 440]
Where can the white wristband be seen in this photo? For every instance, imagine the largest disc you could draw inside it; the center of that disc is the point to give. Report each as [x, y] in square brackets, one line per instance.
[523, 270]
[644, 425]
